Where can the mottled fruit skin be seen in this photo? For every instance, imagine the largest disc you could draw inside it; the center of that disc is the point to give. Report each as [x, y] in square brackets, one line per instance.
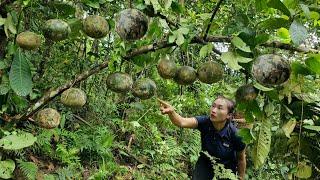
[167, 68]
[246, 93]
[270, 69]
[185, 75]
[48, 118]
[28, 40]
[131, 24]
[73, 97]
[56, 30]
[144, 88]
[95, 26]
[210, 72]
[119, 82]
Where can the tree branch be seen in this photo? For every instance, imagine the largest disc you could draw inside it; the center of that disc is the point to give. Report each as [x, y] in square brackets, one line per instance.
[138, 51]
[213, 15]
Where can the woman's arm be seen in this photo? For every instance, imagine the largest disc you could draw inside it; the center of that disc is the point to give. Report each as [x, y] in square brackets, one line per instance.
[242, 163]
[175, 118]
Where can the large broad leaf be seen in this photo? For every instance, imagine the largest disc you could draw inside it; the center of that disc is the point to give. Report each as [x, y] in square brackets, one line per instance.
[289, 127]
[277, 4]
[314, 128]
[246, 135]
[6, 169]
[304, 171]
[313, 62]
[232, 59]
[262, 146]
[20, 75]
[238, 42]
[299, 68]
[205, 50]
[17, 141]
[274, 23]
[261, 4]
[298, 33]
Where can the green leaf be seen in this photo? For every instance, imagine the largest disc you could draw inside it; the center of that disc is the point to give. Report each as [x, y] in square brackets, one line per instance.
[313, 63]
[183, 30]
[156, 5]
[5, 85]
[176, 7]
[298, 33]
[262, 146]
[232, 59]
[305, 10]
[17, 141]
[238, 42]
[289, 127]
[20, 75]
[261, 38]
[269, 109]
[277, 4]
[180, 39]
[167, 4]
[299, 68]
[261, 87]
[92, 3]
[314, 128]
[261, 4]
[6, 169]
[205, 50]
[304, 171]
[29, 169]
[2, 21]
[246, 135]
[274, 23]
[283, 33]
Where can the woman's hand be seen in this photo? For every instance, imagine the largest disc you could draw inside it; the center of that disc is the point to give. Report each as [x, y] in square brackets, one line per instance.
[165, 107]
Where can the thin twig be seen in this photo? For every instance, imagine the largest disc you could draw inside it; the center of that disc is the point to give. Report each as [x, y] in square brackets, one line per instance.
[81, 119]
[213, 15]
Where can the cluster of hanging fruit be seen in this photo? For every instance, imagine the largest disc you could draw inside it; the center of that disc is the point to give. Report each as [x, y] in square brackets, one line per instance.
[121, 82]
[131, 24]
[208, 72]
[50, 118]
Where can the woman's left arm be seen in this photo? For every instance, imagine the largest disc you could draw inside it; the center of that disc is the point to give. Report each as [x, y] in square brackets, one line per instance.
[242, 163]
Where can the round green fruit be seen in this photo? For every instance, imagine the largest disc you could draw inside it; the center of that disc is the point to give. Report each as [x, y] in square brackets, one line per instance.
[185, 75]
[131, 24]
[144, 88]
[73, 97]
[48, 118]
[210, 72]
[246, 93]
[119, 82]
[56, 30]
[167, 68]
[271, 69]
[95, 26]
[28, 40]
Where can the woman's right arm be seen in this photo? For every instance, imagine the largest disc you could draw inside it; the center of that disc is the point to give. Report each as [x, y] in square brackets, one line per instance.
[175, 118]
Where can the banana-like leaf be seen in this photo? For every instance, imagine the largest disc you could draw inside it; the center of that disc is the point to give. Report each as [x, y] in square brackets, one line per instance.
[17, 141]
[20, 75]
[262, 145]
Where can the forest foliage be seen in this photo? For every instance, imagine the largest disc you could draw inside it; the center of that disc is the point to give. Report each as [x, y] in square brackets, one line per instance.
[113, 135]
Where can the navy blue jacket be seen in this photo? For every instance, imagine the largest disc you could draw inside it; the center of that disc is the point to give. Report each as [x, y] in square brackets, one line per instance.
[223, 144]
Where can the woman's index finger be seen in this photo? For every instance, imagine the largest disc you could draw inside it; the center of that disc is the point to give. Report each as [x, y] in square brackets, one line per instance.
[162, 102]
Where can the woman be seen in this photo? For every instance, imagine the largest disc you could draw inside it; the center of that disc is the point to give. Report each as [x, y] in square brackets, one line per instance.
[218, 137]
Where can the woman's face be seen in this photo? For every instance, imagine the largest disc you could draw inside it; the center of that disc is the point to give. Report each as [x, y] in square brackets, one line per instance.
[219, 110]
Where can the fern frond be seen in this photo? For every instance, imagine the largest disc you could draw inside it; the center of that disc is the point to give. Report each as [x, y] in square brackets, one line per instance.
[262, 146]
[29, 169]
